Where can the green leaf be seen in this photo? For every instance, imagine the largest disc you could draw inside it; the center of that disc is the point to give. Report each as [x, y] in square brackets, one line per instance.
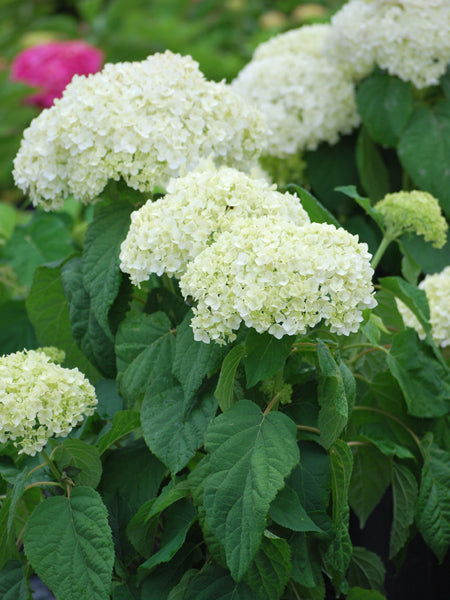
[265, 355]
[47, 308]
[86, 330]
[193, 360]
[430, 259]
[44, 239]
[79, 461]
[214, 583]
[372, 170]
[124, 422]
[178, 519]
[16, 494]
[225, 386]
[315, 209]
[385, 104]
[424, 149]
[109, 401]
[271, 569]
[357, 593]
[336, 395]
[8, 549]
[433, 504]
[366, 570]
[414, 298]
[305, 561]
[251, 454]
[405, 492]
[370, 478]
[145, 348]
[174, 429]
[101, 274]
[424, 381]
[286, 510]
[74, 556]
[7, 221]
[13, 583]
[364, 203]
[16, 330]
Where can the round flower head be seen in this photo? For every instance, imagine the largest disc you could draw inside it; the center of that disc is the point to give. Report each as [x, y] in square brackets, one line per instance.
[167, 234]
[279, 277]
[414, 212]
[144, 122]
[437, 290]
[51, 67]
[40, 399]
[408, 38]
[305, 98]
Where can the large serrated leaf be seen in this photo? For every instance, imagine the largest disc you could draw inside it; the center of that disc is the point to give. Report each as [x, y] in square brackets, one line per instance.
[174, 429]
[251, 455]
[433, 503]
[13, 583]
[424, 150]
[101, 273]
[48, 310]
[193, 360]
[271, 569]
[287, 510]
[265, 355]
[404, 492]
[305, 561]
[366, 570]
[74, 556]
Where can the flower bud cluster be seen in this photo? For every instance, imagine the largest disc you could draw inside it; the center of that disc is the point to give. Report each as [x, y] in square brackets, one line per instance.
[437, 290]
[306, 97]
[414, 212]
[166, 235]
[144, 122]
[40, 399]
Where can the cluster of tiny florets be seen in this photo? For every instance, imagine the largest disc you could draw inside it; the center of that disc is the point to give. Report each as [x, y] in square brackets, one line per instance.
[279, 277]
[144, 122]
[40, 399]
[408, 38]
[305, 97]
[437, 291]
[167, 234]
[414, 212]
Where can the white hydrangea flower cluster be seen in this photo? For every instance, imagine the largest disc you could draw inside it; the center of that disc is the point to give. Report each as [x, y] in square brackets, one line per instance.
[144, 122]
[408, 38]
[306, 98]
[437, 290]
[165, 235]
[279, 277]
[40, 399]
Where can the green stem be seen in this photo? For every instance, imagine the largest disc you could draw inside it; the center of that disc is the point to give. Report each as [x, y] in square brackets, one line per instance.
[309, 429]
[51, 465]
[43, 484]
[387, 239]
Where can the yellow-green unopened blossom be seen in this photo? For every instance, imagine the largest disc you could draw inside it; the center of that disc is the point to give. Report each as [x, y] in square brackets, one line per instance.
[414, 212]
[165, 235]
[40, 399]
[437, 290]
[279, 277]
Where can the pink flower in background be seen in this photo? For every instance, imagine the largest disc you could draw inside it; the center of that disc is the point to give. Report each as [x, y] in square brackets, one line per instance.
[51, 66]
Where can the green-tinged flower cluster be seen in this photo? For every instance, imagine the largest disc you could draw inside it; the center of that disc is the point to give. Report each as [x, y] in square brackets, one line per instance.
[408, 38]
[279, 277]
[144, 122]
[165, 235]
[305, 97]
[414, 212]
[40, 399]
[437, 290]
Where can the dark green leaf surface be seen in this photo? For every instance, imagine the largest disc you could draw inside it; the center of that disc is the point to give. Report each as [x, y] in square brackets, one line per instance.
[271, 569]
[74, 556]
[225, 386]
[251, 454]
[265, 355]
[173, 429]
[357, 593]
[404, 492]
[414, 298]
[286, 510]
[80, 462]
[305, 561]
[16, 329]
[13, 583]
[124, 422]
[366, 570]
[372, 170]
[315, 209]
[214, 583]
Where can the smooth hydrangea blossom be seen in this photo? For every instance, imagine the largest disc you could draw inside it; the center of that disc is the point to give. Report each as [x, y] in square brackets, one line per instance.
[408, 38]
[306, 98]
[279, 277]
[165, 235]
[51, 66]
[437, 290]
[414, 212]
[40, 399]
[144, 122]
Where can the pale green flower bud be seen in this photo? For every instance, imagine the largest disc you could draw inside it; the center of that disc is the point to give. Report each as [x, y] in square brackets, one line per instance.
[414, 212]
[40, 399]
